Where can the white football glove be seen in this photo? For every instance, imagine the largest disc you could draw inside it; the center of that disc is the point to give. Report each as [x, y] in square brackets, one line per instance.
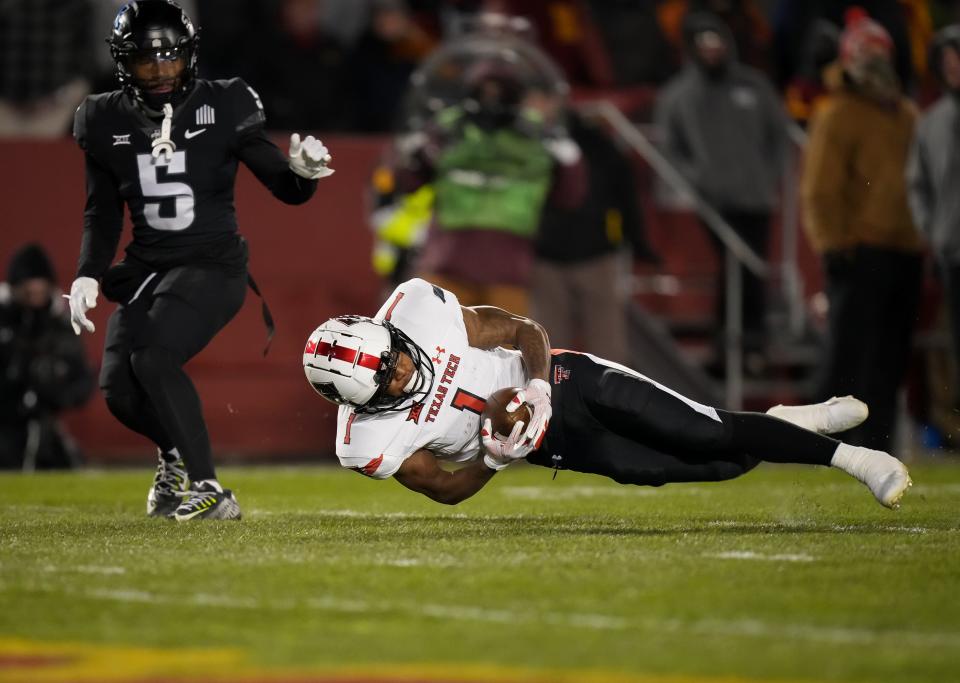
[500, 454]
[537, 396]
[309, 158]
[83, 297]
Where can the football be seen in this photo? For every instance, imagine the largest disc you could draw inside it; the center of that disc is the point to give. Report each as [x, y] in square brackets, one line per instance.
[496, 411]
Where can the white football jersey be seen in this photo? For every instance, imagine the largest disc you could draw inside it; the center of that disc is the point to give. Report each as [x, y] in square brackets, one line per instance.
[447, 422]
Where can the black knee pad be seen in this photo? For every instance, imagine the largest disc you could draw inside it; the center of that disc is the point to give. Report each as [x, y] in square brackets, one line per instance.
[151, 363]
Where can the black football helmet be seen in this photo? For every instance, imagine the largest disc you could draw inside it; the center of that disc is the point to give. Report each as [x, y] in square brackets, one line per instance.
[158, 30]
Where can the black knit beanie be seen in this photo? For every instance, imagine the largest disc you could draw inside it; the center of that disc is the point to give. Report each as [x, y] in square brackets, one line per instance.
[30, 261]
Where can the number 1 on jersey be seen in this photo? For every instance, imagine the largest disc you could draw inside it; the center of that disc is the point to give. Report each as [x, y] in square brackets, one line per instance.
[464, 400]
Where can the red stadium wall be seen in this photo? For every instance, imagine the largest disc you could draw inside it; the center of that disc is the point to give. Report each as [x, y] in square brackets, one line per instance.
[310, 262]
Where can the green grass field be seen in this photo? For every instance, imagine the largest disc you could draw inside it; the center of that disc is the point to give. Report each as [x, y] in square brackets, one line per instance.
[788, 574]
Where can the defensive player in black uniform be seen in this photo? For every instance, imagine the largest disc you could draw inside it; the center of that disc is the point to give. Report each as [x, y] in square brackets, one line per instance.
[167, 145]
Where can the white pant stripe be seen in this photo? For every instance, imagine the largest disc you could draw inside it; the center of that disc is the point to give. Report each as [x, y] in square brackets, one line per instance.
[699, 407]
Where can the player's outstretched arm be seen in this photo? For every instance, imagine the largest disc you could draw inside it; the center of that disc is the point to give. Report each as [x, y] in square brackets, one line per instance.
[421, 473]
[487, 327]
[286, 175]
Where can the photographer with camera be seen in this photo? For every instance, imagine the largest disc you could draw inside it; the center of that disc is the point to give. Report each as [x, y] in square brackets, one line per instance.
[43, 368]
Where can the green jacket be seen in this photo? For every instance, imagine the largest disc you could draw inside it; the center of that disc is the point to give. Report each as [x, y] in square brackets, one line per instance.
[495, 180]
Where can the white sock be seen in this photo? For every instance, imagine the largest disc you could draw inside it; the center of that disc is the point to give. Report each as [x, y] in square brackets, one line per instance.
[850, 459]
[211, 482]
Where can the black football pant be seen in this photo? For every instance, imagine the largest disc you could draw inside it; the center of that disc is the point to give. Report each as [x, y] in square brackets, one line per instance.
[753, 227]
[609, 420]
[951, 281]
[149, 339]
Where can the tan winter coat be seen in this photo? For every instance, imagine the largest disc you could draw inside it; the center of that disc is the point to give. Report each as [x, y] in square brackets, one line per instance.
[852, 187]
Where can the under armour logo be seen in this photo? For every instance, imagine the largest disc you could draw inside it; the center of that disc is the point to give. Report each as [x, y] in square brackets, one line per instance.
[436, 359]
[121, 139]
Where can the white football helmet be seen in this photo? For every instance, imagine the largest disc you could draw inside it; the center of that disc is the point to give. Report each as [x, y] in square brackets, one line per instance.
[351, 359]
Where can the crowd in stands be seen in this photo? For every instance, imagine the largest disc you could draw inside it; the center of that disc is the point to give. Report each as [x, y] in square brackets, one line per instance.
[719, 79]
[344, 65]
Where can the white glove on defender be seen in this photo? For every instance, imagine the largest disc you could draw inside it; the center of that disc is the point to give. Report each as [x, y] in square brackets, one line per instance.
[83, 297]
[309, 159]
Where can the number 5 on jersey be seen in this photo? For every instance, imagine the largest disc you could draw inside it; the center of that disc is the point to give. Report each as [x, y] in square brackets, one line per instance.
[152, 187]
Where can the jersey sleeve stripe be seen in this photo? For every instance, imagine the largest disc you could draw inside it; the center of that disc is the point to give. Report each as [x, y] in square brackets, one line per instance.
[371, 467]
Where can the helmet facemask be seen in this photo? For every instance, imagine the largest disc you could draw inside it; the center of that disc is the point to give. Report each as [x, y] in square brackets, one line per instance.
[417, 387]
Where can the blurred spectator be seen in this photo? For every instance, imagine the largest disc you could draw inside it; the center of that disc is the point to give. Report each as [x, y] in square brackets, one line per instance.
[44, 367]
[933, 176]
[902, 19]
[399, 220]
[346, 20]
[44, 65]
[580, 279]
[230, 28]
[745, 20]
[634, 44]
[856, 215]
[725, 130]
[301, 69]
[382, 62]
[492, 158]
[919, 24]
[818, 72]
[565, 31]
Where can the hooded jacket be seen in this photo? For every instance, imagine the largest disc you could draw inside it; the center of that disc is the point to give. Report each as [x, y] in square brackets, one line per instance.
[725, 134]
[933, 168]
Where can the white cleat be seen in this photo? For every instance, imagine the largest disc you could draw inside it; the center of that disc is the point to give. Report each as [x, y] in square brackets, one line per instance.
[892, 488]
[885, 476]
[829, 417]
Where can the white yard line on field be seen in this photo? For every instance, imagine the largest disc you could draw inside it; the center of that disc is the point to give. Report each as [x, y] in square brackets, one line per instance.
[750, 555]
[815, 527]
[571, 492]
[85, 569]
[549, 492]
[747, 628]
[416, 562]
[860, 528]
[358, 514]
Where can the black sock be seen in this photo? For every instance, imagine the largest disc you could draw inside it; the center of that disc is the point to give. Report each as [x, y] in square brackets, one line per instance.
[767, 438]
[178, 407]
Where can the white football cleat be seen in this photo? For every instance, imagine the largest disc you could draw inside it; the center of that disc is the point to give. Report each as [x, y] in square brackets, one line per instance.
[885, 476]
[829, 417]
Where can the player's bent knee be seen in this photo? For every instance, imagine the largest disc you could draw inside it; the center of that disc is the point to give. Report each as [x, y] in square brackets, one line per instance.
[123, 406]
[151, 363]
[722, 471]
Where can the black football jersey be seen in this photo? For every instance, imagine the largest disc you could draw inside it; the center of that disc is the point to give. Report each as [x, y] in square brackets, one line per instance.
[182, 208]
